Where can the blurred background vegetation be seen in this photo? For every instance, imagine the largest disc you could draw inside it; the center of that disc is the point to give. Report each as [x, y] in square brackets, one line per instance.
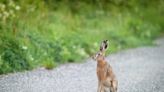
[46, 33]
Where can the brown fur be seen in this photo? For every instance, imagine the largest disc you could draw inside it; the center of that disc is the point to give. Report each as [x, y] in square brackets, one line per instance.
[107, 81]
[106, 77]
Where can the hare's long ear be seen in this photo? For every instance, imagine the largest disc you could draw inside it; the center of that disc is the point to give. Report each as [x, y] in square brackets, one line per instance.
[104, 46]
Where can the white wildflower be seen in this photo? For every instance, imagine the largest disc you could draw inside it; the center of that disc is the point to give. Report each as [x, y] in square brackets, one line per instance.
[11, 3]
[31, 58]
[17, 7]
[11, 12]
[2, 6]
[81, 51]
[6, 14]
[24, 47]
[74, 47]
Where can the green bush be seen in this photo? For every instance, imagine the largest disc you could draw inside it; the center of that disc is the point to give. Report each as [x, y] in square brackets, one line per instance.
[12, 56]
[49, 64]
[39, 33]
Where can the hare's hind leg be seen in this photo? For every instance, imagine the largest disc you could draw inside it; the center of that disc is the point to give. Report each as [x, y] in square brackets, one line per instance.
[114, 86]
[107, 85]
[107, 89]
[100, 87]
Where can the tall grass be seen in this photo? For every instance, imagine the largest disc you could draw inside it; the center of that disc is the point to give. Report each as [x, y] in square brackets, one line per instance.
[48, 34]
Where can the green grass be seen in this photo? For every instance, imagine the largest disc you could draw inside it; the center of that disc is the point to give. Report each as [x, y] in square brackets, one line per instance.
[47, 38]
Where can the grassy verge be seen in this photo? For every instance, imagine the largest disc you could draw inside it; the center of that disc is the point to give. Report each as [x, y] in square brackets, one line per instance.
[45, 37]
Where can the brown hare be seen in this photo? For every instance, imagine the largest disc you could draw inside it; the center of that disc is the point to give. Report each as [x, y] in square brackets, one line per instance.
[107, 81]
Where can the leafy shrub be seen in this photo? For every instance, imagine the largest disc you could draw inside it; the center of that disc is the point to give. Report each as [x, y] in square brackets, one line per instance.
[8, 10]
[51, 32]
[13, 56]
[49, 64]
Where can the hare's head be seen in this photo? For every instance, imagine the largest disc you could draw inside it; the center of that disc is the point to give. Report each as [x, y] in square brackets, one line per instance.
[101, 53]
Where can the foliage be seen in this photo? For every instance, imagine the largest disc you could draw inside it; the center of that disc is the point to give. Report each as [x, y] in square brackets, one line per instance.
[49, 64]
[13, 56]
[52, 32]
[8, 10]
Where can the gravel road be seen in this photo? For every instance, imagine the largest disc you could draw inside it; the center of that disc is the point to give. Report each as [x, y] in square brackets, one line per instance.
[137, 70]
